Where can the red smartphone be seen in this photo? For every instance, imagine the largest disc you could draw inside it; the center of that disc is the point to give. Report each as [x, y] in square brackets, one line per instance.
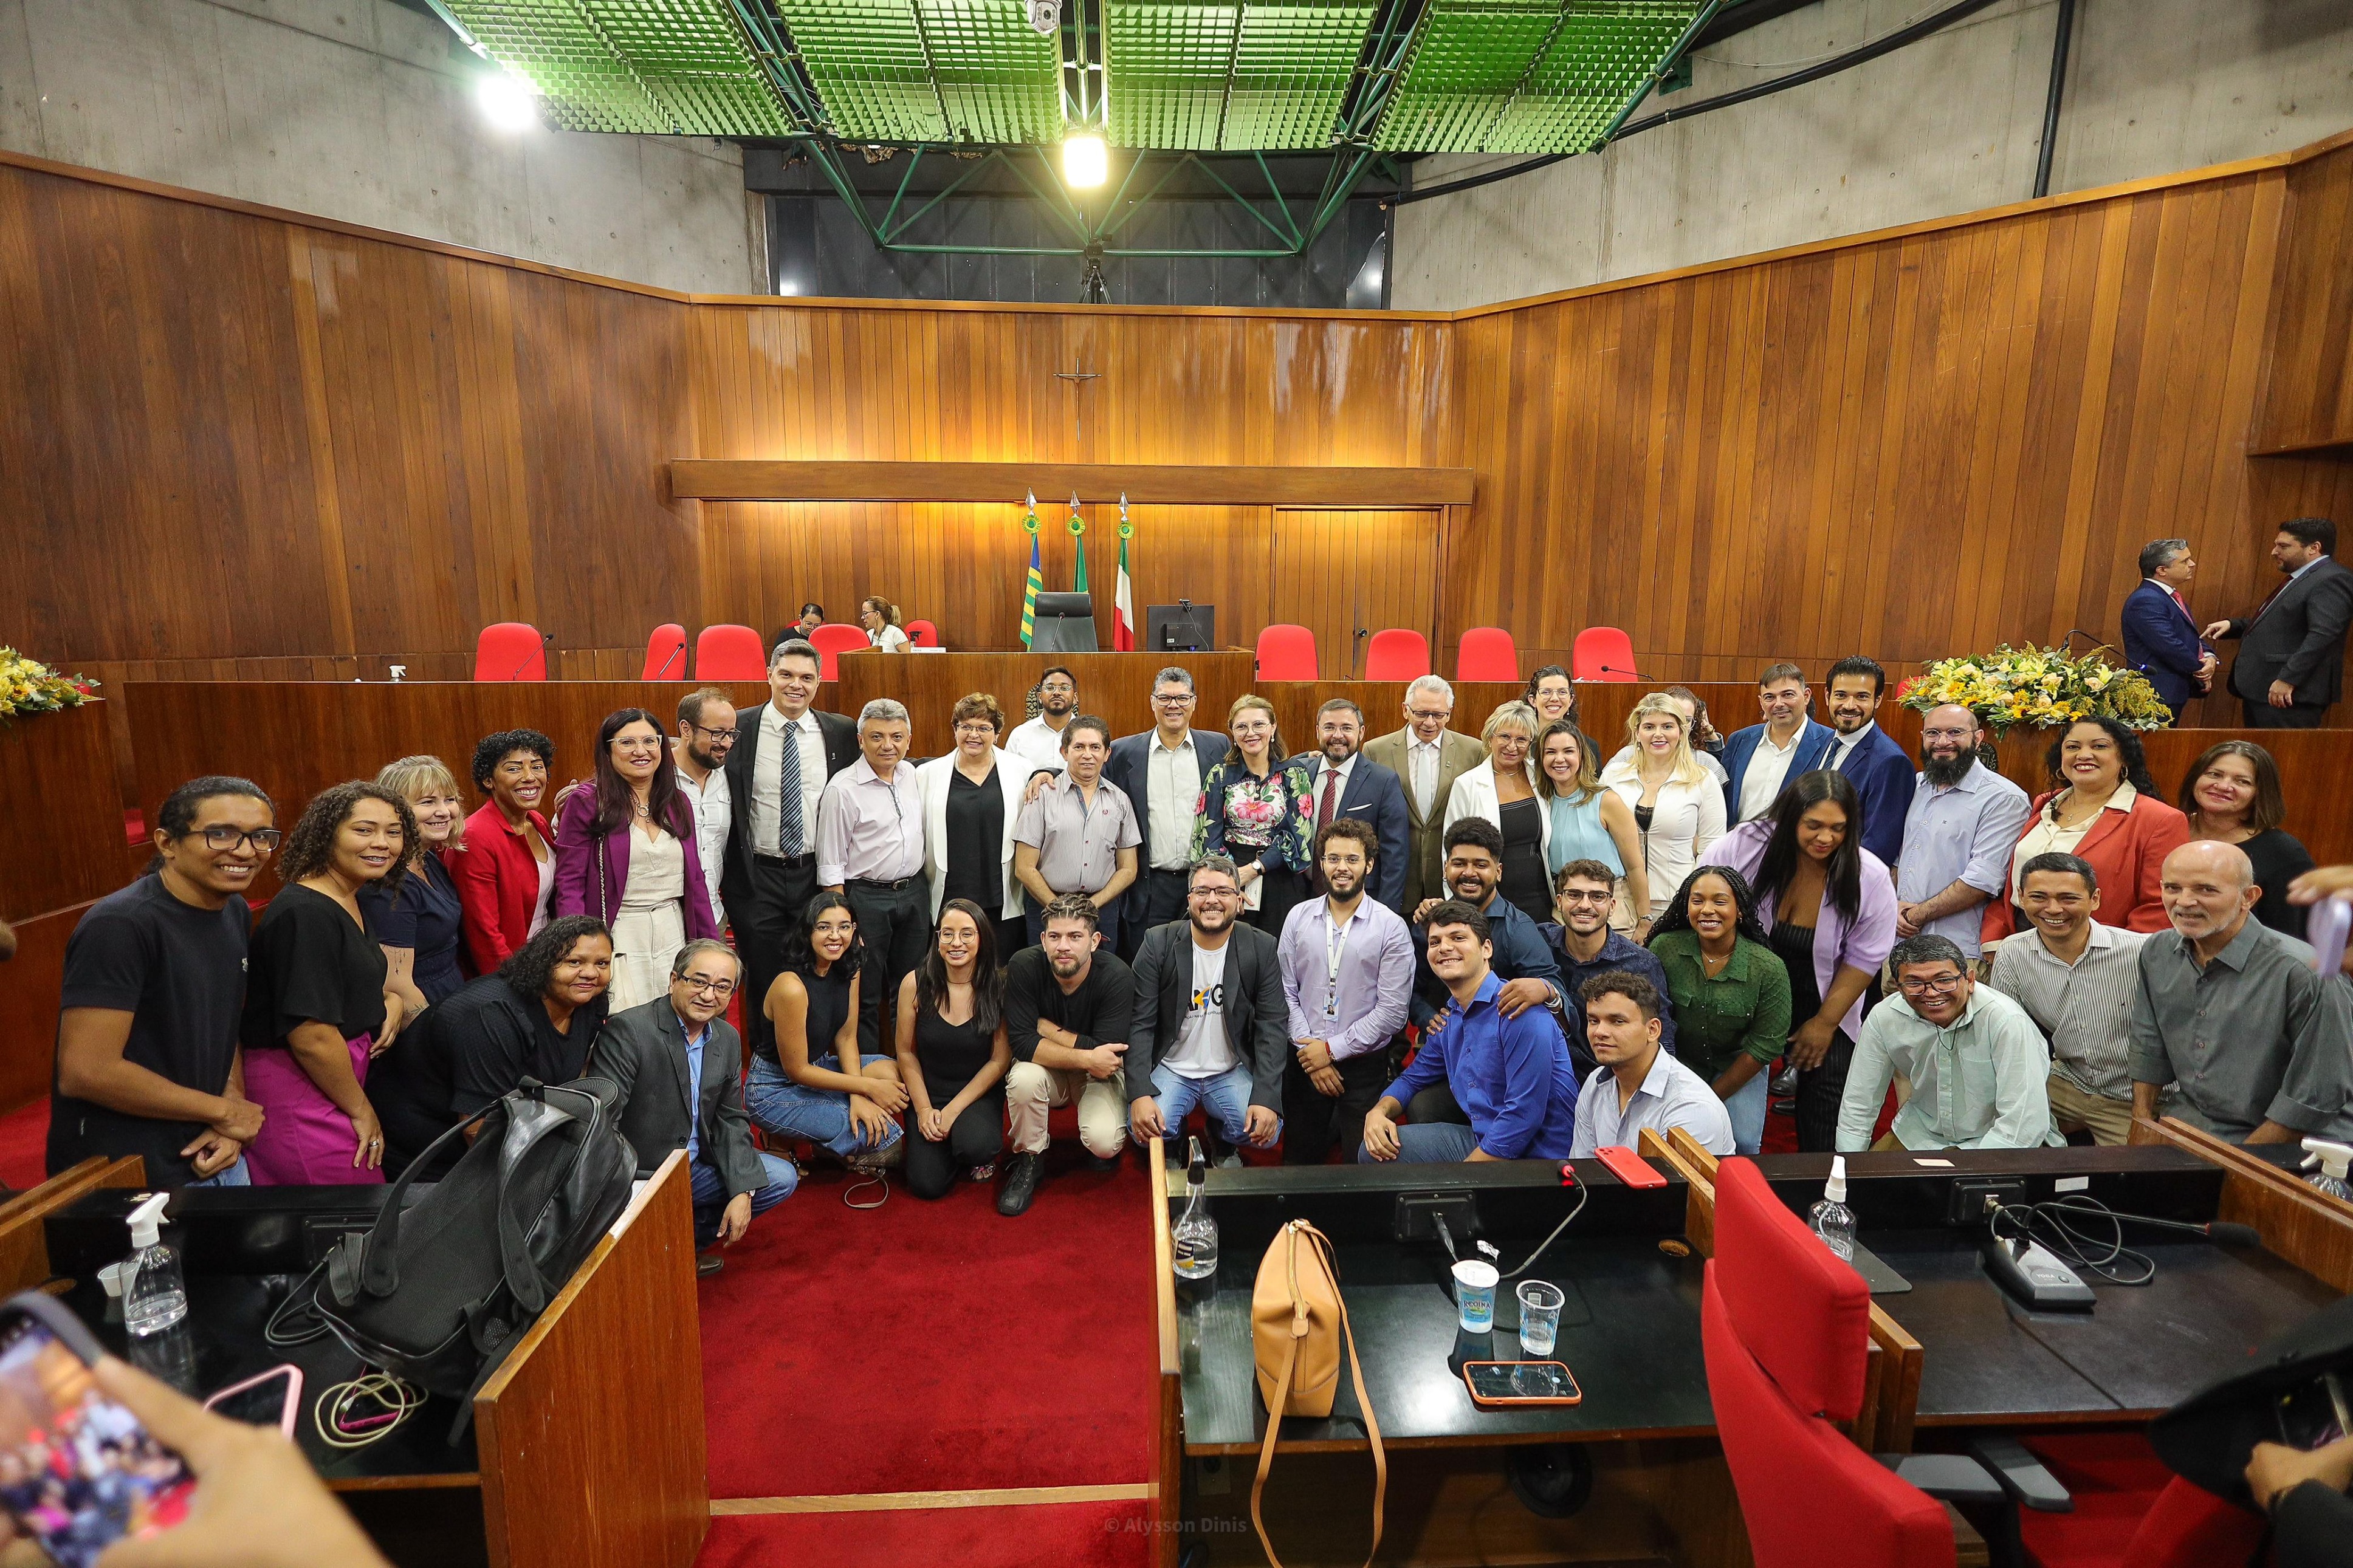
[274, 1398]
[1630, 1167]
[1500, 1384]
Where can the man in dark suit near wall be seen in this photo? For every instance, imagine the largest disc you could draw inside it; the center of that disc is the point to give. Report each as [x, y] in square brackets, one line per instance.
[2160, 639]
[1363, 789]
[2291, 663]
[1879, 768]
[1160, 772]
[771, 851]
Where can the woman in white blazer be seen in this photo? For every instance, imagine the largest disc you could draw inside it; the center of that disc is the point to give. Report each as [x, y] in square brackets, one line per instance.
[1678, 806]
[970, 798]
[1510, 801]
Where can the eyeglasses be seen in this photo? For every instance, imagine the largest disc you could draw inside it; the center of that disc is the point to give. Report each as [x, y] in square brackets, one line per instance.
[1430, 716]
[1570, 897]
[727, 735]
[1173, 699]
[227, 838]
[1934, 985]
[1213, 892]
[713, 987]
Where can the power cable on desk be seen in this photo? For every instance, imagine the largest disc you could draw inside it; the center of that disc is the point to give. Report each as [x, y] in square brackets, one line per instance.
[1580, 1208]
[2053, 1224]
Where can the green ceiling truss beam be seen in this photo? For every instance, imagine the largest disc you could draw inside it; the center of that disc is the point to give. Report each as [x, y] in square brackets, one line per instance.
[662, 68]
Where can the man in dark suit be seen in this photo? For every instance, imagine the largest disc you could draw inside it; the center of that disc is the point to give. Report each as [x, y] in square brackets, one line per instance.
[1877, 767]
[676, 1062]
[1344, 783]
[1427, 757]
[1212, 1027]
[2291, 663]
[771, 871]
[2160, 639]
[1760, 760]
[1160, 772]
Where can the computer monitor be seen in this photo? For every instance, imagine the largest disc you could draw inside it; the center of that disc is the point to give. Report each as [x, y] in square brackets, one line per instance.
[1181, 627]
[1064, 623]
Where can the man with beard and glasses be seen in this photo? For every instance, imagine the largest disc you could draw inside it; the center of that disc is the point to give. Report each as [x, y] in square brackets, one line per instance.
[1344, 783]
[1874, 764]
[1211, 1026]
[706, 733]
[1038, 742]
[1521, 959]
[1348, 970]
[1069, 1007]
[1964, 821]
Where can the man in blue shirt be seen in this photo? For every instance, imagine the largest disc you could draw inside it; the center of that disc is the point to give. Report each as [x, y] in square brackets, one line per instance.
[1510, 1074]
[674, 1060]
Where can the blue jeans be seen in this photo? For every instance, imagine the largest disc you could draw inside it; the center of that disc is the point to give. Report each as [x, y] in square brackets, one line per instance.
[1226, 1097]
[790, 1109]
[238, 1174]
[1429, 1143]
[1746, 1107]
[711, 1193]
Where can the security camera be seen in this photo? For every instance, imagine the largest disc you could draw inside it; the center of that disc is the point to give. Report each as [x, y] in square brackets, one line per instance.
[1046, 16]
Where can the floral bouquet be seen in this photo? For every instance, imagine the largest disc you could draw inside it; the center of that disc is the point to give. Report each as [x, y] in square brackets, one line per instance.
[2039, 687]
[28, 686]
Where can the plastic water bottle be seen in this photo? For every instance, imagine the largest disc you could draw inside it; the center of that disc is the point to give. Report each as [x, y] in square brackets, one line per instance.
[1832, 1219]
[2333, 1160]
[1194, 1242]
[154, 1297]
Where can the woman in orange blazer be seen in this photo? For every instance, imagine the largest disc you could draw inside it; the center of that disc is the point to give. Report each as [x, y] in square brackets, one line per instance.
[2107, 813]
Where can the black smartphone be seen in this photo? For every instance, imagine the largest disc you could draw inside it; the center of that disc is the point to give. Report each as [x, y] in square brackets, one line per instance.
[78, 1471]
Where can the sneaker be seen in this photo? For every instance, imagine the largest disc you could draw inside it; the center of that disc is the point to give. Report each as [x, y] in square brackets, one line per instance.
[1094, 1161]
[982, 1173]
[1225, 1156]
[1021, 1175]
[874, 1161]
[707, 1265]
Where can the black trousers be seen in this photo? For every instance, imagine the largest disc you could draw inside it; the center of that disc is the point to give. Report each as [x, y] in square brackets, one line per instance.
[975, 1138]
[1436, 1103]
[2257, 715]
[1285, 890]
[779, 898]
[1156, 898]
[895, 924]
[1820, 1092]
[1313, 1120]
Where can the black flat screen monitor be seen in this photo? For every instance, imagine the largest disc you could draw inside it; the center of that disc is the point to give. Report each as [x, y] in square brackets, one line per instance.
[1179, 628]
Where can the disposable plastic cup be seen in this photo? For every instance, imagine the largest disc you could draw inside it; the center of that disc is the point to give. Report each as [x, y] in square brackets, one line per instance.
[1539, 1318]
[1475, 1296]
[111, 1277]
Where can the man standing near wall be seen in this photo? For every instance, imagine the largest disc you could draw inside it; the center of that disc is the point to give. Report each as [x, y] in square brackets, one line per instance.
[2291, 663]
[1427, 757]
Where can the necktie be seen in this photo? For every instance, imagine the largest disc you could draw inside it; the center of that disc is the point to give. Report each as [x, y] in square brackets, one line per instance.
[788, 794]
[1330, 800]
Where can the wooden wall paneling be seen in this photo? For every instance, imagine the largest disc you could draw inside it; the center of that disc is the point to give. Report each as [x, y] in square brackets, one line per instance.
[24, 1233]
[1169, 484]
[2311, 1231]
[29, 1003]
[1116, 687]
[1342, 573]
[61, 838]
[2309, 400]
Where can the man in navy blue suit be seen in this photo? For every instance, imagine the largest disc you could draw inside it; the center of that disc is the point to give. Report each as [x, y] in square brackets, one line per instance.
[1343, 783]
[2160, 638]
[1160, 772]
[1761, 759]
[1881, 775]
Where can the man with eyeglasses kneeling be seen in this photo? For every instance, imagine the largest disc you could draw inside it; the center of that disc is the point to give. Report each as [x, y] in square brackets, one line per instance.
[147, 1058]
[1979, 1067]
[675, 1060]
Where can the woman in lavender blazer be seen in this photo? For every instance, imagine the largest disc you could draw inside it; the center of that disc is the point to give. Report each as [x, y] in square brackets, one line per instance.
[625, 853]
[1828, 907]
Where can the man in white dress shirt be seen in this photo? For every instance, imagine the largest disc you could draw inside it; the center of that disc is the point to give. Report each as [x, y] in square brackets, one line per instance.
[1427, 757]
[1038, 742]
[1638, 1084]
[870, 846]
[706, 733]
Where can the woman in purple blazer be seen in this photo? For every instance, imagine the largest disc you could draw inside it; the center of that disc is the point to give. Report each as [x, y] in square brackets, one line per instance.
[625, 853]
[1828, 907]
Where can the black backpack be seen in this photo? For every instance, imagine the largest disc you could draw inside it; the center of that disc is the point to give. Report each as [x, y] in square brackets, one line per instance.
[438, 1291]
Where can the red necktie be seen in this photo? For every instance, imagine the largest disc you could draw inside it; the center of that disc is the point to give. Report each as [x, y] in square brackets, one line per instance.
[1329, 801]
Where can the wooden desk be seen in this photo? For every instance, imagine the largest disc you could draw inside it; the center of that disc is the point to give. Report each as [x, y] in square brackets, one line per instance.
[1116, 687]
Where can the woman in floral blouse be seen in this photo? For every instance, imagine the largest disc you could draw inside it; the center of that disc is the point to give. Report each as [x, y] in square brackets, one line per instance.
[1257, 810]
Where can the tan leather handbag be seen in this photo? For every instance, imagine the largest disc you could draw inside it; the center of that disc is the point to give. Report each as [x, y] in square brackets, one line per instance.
[1298, 1325]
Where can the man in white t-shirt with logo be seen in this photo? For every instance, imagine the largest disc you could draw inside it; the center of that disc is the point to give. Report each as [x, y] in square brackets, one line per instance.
[1211, 1026]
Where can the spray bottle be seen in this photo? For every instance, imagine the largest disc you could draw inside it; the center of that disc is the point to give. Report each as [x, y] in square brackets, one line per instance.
[2333, 1159]
[1832, 1219]
[155, 1296]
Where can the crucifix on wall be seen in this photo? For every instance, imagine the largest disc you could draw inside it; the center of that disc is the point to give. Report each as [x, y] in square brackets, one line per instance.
[1078, 376]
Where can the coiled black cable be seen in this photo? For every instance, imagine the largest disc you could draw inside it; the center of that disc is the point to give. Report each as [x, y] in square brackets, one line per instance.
[2062, 1226]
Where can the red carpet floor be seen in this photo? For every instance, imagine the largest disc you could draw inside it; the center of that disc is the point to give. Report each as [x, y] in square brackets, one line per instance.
[24, 1144]
[1067, 1535]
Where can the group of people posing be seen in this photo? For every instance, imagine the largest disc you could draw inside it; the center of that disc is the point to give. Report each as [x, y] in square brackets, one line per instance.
[1419, 946]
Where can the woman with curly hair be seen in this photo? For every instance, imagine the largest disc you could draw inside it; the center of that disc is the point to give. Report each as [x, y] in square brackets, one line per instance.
[505, 871]
[2104, 808]
[1730, 993]
[808, 1077]
[318, 1008]
[1259, 812]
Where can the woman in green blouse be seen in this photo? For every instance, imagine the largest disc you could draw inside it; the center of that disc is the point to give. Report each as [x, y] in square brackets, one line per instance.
[1730, 991]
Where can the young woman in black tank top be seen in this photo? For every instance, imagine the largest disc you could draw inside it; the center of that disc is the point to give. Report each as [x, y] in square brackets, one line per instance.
[953, 1054]
[818, 1086]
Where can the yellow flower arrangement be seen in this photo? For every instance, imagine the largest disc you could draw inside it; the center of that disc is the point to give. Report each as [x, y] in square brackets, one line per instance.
[28, 686]
[2040, 687]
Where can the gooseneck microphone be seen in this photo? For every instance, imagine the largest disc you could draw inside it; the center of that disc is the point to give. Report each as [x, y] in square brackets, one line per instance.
[1636, 674]
[675, 654]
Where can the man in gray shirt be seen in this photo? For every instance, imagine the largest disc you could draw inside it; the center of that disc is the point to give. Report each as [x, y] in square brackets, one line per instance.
[2232, 1012]
[1079, 835]
[2076, 979]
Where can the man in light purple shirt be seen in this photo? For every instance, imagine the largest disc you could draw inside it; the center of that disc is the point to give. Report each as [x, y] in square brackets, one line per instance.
[1347, 975]
[1963, 824]
[870, 846]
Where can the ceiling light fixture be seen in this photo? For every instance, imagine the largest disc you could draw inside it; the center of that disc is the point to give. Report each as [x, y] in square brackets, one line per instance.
[1086, 162]
[507, 102]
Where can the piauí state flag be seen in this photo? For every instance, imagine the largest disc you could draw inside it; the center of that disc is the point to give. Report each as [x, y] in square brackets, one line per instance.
[1122, 607]
[1030, 595]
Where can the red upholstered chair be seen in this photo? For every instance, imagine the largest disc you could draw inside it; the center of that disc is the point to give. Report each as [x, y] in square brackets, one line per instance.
[2129, 1509]
[666, 653]
[729, 653]
[1602, 653]
[1786, 1330]
[509, 650]
[1485, 653]
[833, 640]
[923, 634]
[1397, 654]
[1286, 652]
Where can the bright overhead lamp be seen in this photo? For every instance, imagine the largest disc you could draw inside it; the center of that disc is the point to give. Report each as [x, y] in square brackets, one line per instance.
[1086, 162]
[507, 102]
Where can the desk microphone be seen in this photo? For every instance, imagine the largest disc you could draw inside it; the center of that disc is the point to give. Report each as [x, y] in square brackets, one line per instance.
[674, 656]
[2075, 632]
[1613, 669]
[546, 645]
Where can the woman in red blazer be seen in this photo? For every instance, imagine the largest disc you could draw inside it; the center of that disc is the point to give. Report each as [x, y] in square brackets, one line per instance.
[2107, 813]
[507, 870]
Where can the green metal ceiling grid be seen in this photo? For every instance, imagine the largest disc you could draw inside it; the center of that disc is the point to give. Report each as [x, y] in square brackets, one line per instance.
[1246, 75]
[930, 70]
[1527, 76]
[655, 67]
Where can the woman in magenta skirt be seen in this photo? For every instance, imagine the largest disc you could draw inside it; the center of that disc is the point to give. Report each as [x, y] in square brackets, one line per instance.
[317, 1010]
